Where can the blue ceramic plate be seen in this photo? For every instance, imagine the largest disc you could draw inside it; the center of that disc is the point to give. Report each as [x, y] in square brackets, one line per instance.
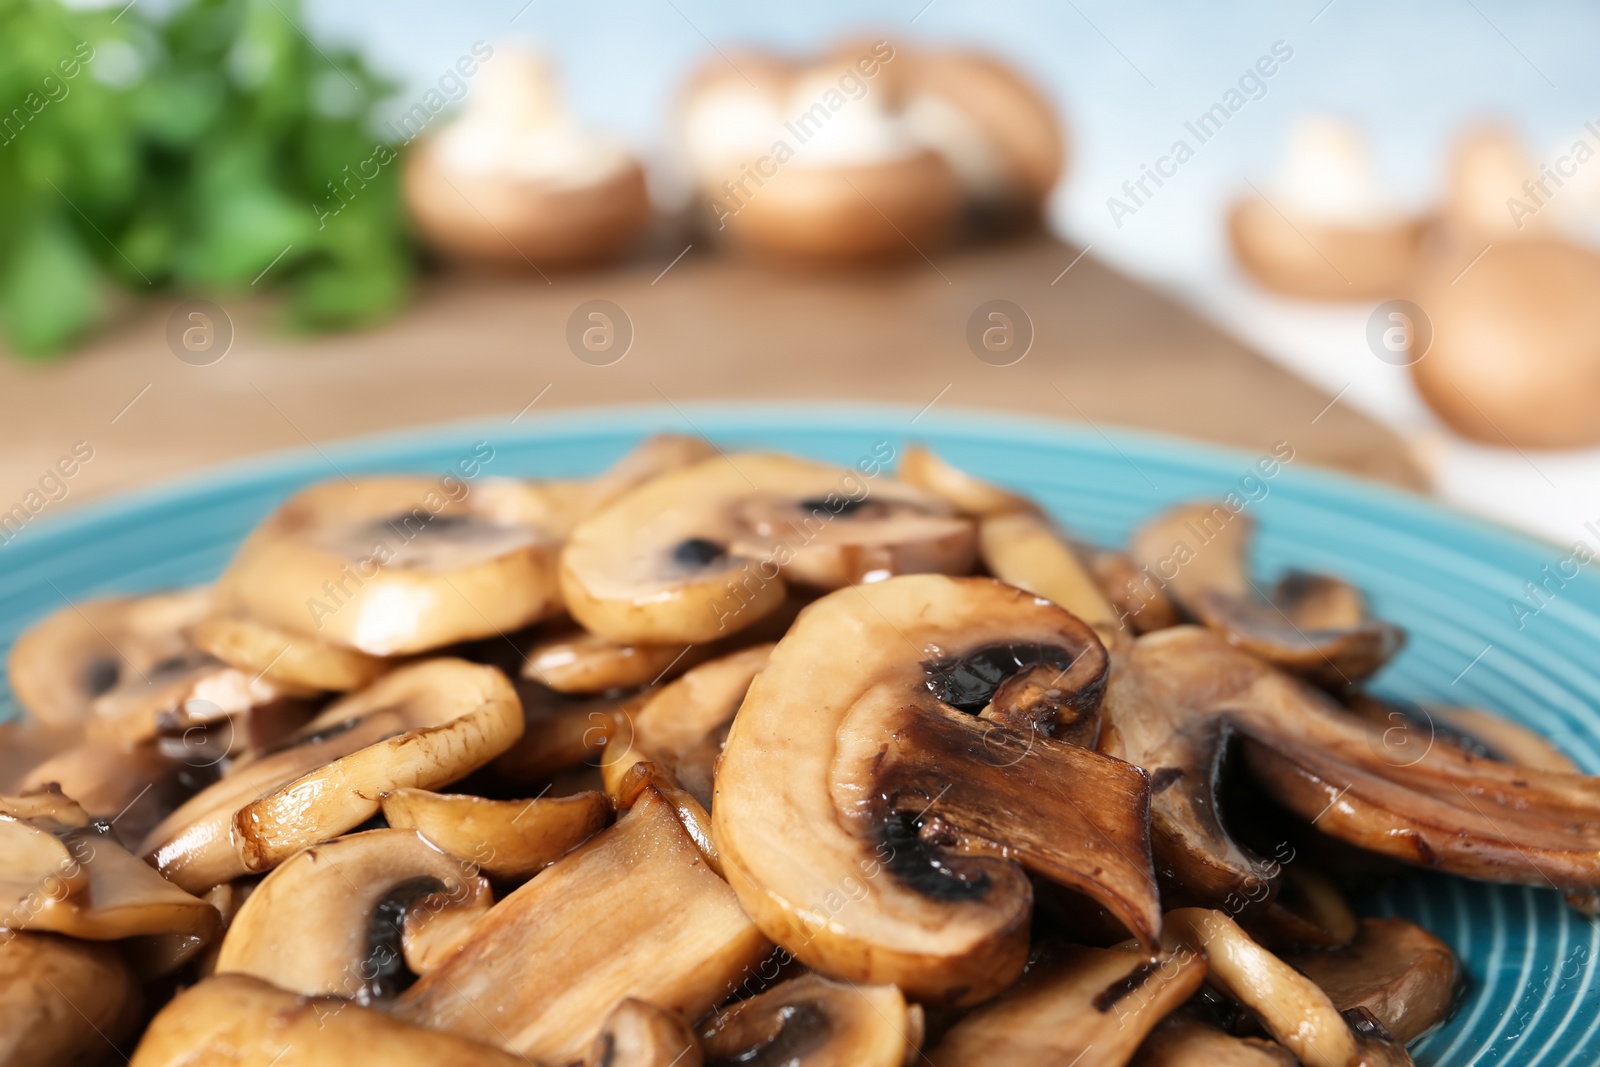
[1449, 580]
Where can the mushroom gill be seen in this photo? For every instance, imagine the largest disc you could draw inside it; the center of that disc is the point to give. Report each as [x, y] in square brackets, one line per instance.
[1311, 625]
[634, 912]
[706, 551]
[424, 725]
[1085, 1006]
[895, 770]
[813, 1021]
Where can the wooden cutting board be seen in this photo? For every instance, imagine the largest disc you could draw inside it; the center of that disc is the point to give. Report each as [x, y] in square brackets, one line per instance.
[1105, 350]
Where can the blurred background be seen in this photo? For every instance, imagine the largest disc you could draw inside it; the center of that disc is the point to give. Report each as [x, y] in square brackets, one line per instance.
[234, 226]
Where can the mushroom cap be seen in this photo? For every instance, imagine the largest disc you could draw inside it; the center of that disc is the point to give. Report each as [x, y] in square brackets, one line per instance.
[634, 912]
[245, 1022]
[1514, 358]
[392, 565]
[1488, 165]
[1303, 257]
[49, 987]
[290, 659]
[329, 919]
[1071, 1001]
[706, 551]
[423, 725]
[511, 839]
[850, 214]
[993, 126]
[812, 1021]
[846, 771]
[1407, 978]
[639, 1034]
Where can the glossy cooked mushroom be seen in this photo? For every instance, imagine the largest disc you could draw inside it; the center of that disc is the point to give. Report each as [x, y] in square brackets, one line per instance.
[970, 495]
[1084, 1006]
[1404, 976]
[813, 1021]
[510, 839]
[291, 659]
[424, 725]
[681, 728]
[1290, 1006]
[1175, 695]
[329, 919]
[899, 748]
[706, 551]
[134, 788]
[636, 911]
[241, 1021]
[639, 1034]
[50, 986]
[1183, 1040]
[560, 733]
[1022, 549]
[1311, 625]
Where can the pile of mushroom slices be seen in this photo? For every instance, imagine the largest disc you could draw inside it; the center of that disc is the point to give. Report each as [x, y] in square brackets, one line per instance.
[739, 759]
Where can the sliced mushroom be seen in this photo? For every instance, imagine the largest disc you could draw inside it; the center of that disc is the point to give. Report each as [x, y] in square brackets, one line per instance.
[329, 919]
[133, 788]
[812, 1021]
[511, 839]
[1292, 1009]
[1021, 549]
[634, 912]
[1314, 626]
[292, 659]
[639, 1034]
[67, 875]
[1084, 1006]
[882, 754]
[1182, 1040]
[970, 495]
[50, 987]
[1404, 976]
[1309, 909]
[424, 725]
[681, 728]
[1139, 600]
[241, 1021]
[1176, 693]
[389, 566]
[706, 551]
[561, 733]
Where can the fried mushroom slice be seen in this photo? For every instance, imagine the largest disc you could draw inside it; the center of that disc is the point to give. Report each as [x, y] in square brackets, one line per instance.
[1175, 695]
[425, 725]
[639, 1034]
[133, 788]
[391, 566]
[329, 919]
[634, 912]
[49, 987]
[1312, 625]
[706, 551]
[67, 875]
[561, 733]
[812, 1021]
[241, 1021]
[292, 659]
[1182, 1040]
[1400, 973]
[878, 756]
[1291, 1008]
[1138, 599]
[511, 839]
[968, 494]
[681, 728]
[1022, 549]
[1085, 1006]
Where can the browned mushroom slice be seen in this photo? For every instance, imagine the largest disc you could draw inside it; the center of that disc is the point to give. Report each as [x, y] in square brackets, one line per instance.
[561, 732]
[681, 728]
[1308, 910]
[241, 1021]
[634, 912]
[639, 1034]
[291, 659]
[1182, 1040]
[67, 875]
[706, 551]
[1084, 1006]
[389, 566]
[50, 987]
[1139, 600]
[133, 788]
[1021, 549]
[922, 467]
[876, 812]
[424, 725]
[812, 1021]
[1291, 1008]
[1312, 625]
[329, 919]
[1407, 978]
[512, 839]
[1175, 693]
